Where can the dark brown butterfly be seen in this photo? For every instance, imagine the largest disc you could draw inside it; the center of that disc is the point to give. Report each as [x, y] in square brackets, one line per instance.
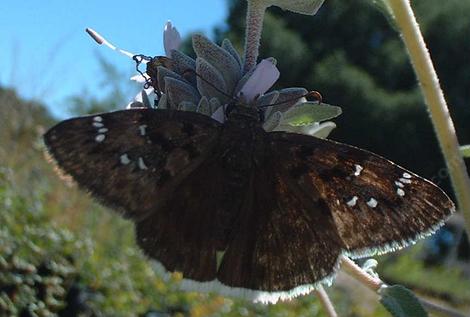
[241, 211]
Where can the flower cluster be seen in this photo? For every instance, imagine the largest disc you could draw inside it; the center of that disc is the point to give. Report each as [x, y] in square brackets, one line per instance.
[215, 78]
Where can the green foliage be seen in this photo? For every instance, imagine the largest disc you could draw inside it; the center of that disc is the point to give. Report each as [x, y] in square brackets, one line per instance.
[401, 302]
[443, 282]
[37, 260]
[465, 150]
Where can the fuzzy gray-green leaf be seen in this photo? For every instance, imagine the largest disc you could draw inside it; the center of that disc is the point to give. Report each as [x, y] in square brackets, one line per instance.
[145, 99]
[204, 106]
[289, 97]
[222, 60]
[210, 82]
[187, 106]
[268, 99]
[163, 102]
[272, 121]
[165, 72]
[299, 6]
[310, 112]
[214, 104]
[183, 64]
[322, 131]
[178, 91]
[227, 45]
[401, 302]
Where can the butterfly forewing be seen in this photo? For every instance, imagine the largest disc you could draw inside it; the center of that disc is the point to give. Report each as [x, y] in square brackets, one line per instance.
[132, 160]
[376, 205]
[186, 232]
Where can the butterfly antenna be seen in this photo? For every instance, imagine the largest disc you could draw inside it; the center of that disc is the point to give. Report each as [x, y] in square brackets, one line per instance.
[311, 94]
[102, 41]
[139, 59]
[209, 83]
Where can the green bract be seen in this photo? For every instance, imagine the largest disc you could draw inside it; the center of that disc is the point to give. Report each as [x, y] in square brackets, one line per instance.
[310, 112]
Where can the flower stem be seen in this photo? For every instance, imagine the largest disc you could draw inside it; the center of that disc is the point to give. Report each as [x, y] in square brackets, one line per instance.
[434, 98]
[326, 302]
[254, 27]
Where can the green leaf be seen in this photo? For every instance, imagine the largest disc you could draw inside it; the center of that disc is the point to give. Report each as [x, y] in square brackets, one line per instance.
[310, 112]
[401, 302]
[299, 6]
[465, 150]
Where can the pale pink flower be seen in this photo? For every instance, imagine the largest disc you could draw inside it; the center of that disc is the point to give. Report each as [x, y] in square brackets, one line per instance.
[264, 76]
[171, 38]
[219, 114]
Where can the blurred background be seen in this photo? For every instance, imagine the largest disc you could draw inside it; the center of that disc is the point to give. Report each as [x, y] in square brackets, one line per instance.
[62, 253]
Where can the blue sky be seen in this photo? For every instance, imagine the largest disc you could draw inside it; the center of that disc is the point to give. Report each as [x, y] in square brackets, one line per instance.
[46, 54]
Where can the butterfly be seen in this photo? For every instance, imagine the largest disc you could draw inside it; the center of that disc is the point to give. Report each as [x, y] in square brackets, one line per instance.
[238, 210]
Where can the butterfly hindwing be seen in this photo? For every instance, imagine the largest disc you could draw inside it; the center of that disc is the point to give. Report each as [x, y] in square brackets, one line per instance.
[283, 239]
[376, 205]
[132, 160]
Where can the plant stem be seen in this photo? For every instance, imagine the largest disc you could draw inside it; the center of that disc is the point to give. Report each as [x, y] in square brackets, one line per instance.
[434, 98]
[358, 273]
[326, 302]
[254, 27]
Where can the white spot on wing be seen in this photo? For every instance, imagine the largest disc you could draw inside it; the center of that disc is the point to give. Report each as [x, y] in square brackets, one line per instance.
[406, 175]
[98, 124]
[372, 203]
[399, 184]
[125, 159]
[97, 119]
[100, 138]
[102, 130]
[400, 192]
[352, 202]
[142, 129]
[142, 165]
[405, 180]
[359, 169]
